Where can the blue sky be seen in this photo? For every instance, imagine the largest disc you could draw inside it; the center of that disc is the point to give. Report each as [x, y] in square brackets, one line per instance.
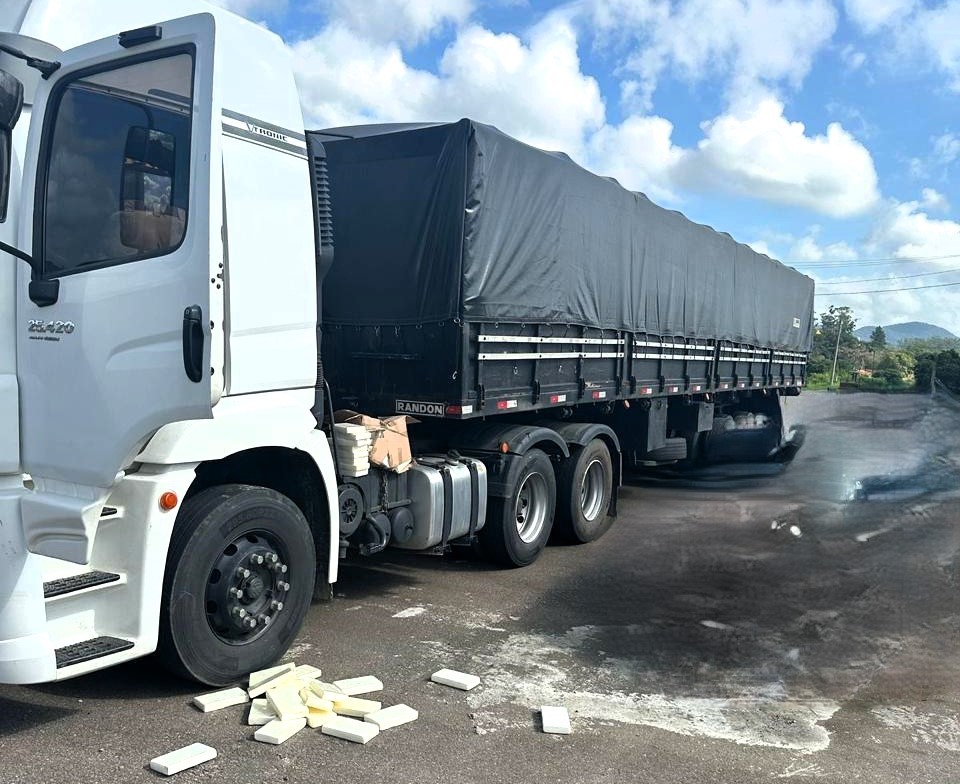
[823, 132]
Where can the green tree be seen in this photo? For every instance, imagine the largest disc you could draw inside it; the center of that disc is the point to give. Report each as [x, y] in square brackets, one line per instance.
[878, 339]
[944, 365]
[833, 338]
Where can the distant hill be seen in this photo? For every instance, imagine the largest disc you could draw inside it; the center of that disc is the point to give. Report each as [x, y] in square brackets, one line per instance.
[912, 330]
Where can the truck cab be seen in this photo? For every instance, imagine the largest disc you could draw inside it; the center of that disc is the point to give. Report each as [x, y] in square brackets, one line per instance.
[141, 384]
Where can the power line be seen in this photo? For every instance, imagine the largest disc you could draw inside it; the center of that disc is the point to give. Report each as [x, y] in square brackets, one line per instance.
[881, 260]
[890, 278]
[884, 291]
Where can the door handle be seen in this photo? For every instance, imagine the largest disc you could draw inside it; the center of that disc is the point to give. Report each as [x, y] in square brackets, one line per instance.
[193, 343]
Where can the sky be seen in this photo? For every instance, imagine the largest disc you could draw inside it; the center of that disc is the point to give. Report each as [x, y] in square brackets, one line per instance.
[824, 134]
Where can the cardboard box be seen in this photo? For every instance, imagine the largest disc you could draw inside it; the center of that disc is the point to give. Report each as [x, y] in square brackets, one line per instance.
[390, 445]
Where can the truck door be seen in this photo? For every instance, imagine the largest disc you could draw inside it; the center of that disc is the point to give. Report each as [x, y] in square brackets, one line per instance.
[114, 330]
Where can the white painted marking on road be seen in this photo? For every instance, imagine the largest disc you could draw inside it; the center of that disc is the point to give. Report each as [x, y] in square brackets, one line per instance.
[936, 729]
[715, 625]
[519, 671]
[866, 537]
[410, 612]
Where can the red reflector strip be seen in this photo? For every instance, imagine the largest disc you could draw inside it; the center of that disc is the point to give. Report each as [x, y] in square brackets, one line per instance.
[697, 388]
[558, 398]
[599, 395]
[674, 389]
[724, 386]
[741, 385]
[505, 404]
[646, 391]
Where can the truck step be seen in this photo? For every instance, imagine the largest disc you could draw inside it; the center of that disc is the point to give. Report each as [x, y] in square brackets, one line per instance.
[77, 582]
[84, 651]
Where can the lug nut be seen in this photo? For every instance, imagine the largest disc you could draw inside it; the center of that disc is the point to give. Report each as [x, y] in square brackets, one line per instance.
[283, 586]
[273, 558]
[265, 620]
[275, 605]
[256, 558]
[236, 592]
[251, 622]
[279, 567]
[242, 573]
[239, 612]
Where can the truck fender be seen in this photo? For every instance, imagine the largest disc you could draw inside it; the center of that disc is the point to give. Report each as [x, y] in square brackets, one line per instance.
[485, 442]
[272, 419]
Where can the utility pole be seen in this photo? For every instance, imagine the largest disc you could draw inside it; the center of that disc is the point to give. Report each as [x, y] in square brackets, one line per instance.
[836, 353]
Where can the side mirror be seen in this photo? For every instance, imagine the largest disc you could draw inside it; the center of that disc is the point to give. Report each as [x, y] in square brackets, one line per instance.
[11, 104]
[148, 220]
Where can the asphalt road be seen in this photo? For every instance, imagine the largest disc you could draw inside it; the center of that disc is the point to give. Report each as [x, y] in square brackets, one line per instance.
[701, 640]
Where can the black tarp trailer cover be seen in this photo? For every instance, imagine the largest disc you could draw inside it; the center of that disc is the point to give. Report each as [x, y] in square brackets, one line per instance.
[472, 269]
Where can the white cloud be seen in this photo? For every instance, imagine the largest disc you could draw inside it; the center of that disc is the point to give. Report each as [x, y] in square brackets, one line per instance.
[751, 43]
[346, 80]
[906, 230]
[758, 152]
[872, 15]
[852, 58]
[532, 89]
[535, 90]
[406, 21]
[934, 200]
[252, 8]
[640, 154]
[938, 33]
[946, 148]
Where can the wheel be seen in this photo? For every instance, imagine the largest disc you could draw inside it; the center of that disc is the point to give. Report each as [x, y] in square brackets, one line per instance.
[518, 527]
[238, 583]
[584, 492]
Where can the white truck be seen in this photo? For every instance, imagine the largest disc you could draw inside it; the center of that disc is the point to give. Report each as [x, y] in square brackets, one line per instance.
[164, 227]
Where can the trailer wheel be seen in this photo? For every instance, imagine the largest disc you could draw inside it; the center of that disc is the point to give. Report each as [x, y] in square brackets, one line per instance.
[238, 583]
[518, 527]
[584, 491]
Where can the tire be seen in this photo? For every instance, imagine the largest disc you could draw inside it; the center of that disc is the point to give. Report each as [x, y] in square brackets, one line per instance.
[220, 533]
[518, 527]
[584, 492]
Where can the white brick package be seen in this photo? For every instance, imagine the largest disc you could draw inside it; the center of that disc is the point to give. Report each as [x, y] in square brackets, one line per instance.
[354, 686]
[350, 729]
[216, 700]
[181, 759]
[277, 731]
[459, 680]
[555, 719]
[394, 716]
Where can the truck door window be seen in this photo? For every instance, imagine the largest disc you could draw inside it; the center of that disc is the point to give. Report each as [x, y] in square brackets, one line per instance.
[117, 166]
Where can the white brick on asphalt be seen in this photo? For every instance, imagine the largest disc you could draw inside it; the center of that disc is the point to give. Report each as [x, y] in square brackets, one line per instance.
[277, 731]
[314, 702]
[350, 729]
[555, 719]
[317, 718]
[327, 690]
[354, 706]
[261, 676]
[307, 672]
[181, 759]
[286, 703]
[362, 685]
[459, 680]
[260, 713]
[285, 678]
[394, 716]
[215, 700]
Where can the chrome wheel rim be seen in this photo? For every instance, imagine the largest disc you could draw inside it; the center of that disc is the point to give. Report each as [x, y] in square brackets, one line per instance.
[592, 488]
[530, 509]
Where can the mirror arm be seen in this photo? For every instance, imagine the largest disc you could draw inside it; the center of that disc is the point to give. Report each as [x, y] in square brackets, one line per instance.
[17, 252]
[45, 67]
